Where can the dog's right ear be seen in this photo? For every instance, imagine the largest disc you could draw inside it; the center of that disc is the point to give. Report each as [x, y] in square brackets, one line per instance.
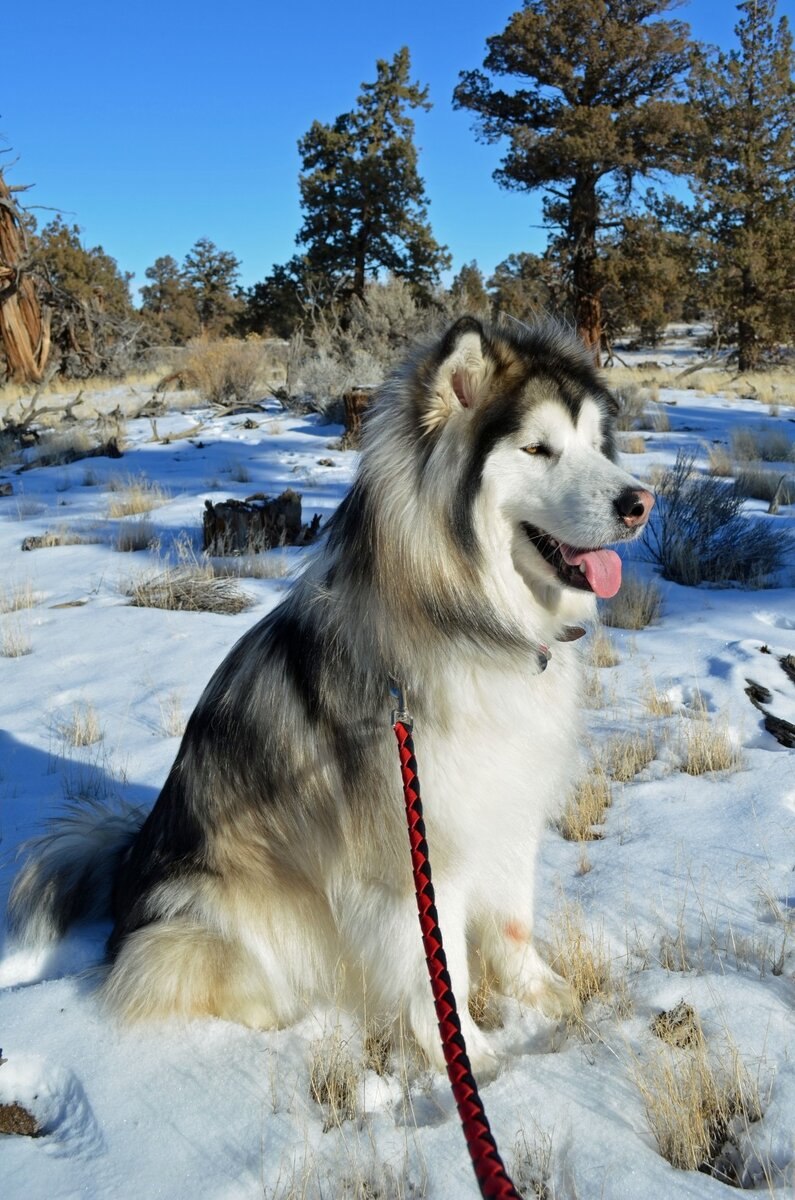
[461, 375]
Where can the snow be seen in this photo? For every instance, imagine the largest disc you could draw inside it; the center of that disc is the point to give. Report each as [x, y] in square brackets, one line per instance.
[692, 872]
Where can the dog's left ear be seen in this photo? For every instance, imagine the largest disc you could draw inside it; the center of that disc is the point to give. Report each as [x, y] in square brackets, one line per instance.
[462, 373]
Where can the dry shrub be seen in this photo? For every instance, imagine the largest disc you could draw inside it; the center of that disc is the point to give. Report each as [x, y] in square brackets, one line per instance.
[755, 483]
[679, 1026]
[720, 461]
[187, 588]
[629, 754]
[602, 650]
[698, 1111]
[135, 535]
[698, 534]
[636, 605]
[586, 807]
[226, 373]
[632, 444]
[632, 401]
[133, 496]
[767, 445]
[81, 727]
[333, 1080]
[706, 747]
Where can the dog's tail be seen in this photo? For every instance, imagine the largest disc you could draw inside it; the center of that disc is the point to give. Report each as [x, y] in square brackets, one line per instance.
[70, 870]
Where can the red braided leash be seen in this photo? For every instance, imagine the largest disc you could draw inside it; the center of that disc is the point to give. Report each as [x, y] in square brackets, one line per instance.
[492, 1177]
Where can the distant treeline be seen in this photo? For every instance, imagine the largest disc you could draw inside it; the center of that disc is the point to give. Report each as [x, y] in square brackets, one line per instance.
[597, 103]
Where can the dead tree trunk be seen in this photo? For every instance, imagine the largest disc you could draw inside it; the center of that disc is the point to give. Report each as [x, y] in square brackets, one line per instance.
[356, 402]
[24, 328]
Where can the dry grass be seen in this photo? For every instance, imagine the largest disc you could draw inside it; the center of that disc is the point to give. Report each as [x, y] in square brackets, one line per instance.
[15, 640]
[586, 807]
[698, 1109]
[81, 727]
[637, 604]
[767, 445]
[593, 692]
[239, 472]
[632, 444]
[135, 535]
[656, 702]
[531, 1169]
[269, 564]
[333, 1080]
[61, 536]
[172, 715]
[602, 650]
[581, 957]
[706, 747]
[18, 597]
[133, 496]
[187, 588]
[629, 754]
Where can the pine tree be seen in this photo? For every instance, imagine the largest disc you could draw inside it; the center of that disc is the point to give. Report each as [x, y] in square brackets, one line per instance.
[211, 274]
[596, 104]
[167, 302]
[363, 200]
[744, 180]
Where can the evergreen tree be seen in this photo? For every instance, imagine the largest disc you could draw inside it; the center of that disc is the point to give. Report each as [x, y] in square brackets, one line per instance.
[211, 275]
[363, 200]
[468, 290]
[744, 180]
[648, 277]
[167, 302]
[88, 275]
[598, 105]
[277, 304]
[526, 286]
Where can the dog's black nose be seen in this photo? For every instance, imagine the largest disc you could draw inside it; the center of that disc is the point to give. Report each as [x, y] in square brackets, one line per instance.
[634, 505]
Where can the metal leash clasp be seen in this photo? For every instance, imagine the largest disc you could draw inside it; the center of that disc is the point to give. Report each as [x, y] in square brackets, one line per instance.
[400, 712]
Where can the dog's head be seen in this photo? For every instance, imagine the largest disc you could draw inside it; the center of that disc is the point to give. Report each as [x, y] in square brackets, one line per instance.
[529, 423]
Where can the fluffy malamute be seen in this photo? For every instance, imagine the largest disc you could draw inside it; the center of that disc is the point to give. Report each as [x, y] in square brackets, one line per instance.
[274, 869]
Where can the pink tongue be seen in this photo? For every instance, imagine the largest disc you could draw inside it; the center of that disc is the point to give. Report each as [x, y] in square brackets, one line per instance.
[602, 568]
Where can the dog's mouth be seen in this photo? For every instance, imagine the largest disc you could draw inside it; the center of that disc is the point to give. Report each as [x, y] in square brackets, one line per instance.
[597, 571]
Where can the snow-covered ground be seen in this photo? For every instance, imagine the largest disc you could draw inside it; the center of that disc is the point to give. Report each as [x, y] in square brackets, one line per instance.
[689, 894]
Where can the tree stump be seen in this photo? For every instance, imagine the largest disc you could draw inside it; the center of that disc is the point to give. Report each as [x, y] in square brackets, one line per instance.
[356, 402]
[255, 524]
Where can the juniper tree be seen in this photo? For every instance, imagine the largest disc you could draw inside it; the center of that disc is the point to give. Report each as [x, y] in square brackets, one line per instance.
[744, 176]
[363, 200]
[87, 274]
[594, 102]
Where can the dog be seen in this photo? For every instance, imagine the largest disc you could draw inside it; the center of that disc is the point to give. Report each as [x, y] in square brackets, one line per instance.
[273, 871]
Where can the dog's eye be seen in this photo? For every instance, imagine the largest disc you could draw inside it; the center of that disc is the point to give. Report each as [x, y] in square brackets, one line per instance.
[538, 448]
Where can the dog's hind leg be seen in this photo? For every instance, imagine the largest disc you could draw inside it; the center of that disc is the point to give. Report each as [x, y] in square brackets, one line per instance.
[183, 969]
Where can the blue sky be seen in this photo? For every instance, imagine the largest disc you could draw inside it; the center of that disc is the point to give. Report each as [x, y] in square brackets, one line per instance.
[154, 124]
